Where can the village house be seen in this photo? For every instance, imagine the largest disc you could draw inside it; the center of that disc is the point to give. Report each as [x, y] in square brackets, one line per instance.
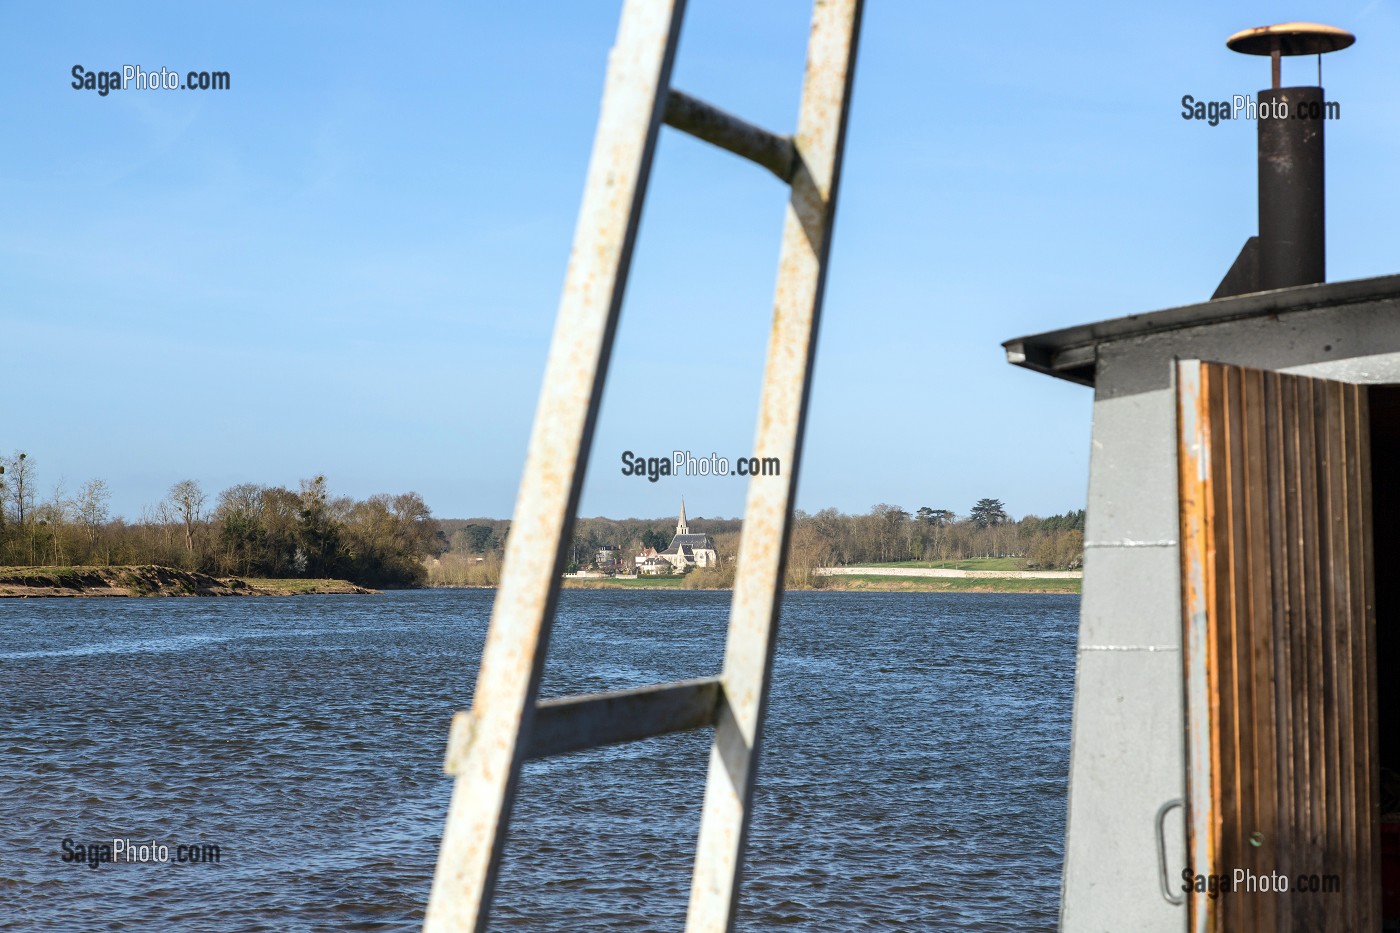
[653, 566]
[608, 559]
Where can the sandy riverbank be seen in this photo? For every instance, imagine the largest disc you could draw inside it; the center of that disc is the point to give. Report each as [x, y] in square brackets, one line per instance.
[151, 580]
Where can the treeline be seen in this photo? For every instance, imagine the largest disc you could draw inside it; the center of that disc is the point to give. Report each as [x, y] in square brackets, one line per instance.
[828, 538]
[248, 530]
[889, 534]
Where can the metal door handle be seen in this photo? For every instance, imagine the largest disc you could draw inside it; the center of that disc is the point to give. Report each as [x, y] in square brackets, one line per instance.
[1173, 899]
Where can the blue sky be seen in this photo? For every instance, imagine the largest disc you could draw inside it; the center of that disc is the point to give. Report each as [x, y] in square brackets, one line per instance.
[349, 262]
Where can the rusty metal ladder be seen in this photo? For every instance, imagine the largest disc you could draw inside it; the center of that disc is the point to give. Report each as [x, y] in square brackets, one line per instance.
[506, 726]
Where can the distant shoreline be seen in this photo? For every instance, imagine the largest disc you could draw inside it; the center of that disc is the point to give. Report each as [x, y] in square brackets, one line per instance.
[153, 580]
[865, 583]
[159, 581]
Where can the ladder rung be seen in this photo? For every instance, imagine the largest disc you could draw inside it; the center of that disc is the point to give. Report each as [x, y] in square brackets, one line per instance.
[572, 724]
[703, 121]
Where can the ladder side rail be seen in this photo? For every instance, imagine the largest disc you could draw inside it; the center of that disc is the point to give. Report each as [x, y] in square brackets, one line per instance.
[748, 658]
[634, 98]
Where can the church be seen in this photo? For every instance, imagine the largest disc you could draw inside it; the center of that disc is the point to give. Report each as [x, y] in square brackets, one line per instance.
[687, 550]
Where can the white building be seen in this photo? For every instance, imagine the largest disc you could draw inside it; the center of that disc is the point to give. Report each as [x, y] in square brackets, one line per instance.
[654, 567]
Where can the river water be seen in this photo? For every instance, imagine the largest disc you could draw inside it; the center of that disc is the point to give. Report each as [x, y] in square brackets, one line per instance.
[913, 776]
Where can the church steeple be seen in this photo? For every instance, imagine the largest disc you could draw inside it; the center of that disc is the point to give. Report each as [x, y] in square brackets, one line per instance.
[681, 527]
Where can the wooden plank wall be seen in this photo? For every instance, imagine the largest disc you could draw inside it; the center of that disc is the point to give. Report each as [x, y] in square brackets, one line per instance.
[1279, 596]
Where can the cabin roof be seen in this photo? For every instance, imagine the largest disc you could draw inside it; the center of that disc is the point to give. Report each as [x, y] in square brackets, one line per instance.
[1072, 352]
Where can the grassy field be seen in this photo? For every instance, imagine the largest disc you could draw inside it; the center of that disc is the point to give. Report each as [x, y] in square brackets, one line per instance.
[974, 563]
[877, 583]
[873, 583]
[641, 583]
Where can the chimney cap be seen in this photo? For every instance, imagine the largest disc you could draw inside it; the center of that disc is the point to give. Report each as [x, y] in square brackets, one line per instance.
[1290, 39]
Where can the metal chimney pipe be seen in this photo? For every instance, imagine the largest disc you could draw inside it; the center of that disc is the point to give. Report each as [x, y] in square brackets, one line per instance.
[1292, 212]
[1292, 246]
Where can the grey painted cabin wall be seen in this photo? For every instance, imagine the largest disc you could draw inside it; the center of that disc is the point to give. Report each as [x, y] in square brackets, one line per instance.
[1127, 750]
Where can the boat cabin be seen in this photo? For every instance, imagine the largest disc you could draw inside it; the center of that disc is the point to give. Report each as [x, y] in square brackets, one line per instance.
[1236, 731]
[1238, 644]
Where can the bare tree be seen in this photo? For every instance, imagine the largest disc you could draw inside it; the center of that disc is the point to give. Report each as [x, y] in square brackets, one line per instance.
[891, 529]
[51, 517]
[91, 507]
[21, 481]
[187, 500]
[807, 552]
